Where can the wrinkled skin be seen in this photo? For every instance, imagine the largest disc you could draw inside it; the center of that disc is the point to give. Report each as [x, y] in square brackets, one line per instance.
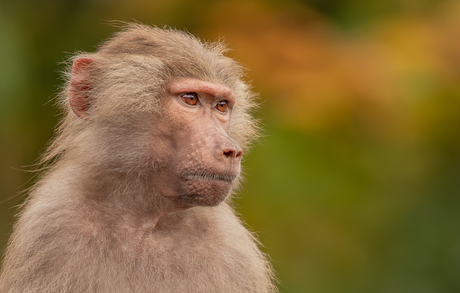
[196, 160]
[199, 160]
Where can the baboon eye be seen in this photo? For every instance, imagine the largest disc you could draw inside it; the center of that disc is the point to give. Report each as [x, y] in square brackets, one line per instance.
[222, 106]
[190, 98]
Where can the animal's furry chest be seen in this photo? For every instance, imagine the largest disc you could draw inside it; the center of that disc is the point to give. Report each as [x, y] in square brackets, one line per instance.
[182, 261]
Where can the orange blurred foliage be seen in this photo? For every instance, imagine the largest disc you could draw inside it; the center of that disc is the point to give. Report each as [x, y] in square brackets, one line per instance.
[318, 77]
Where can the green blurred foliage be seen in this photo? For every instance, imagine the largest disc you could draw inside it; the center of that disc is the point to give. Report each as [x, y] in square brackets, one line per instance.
[355, 186]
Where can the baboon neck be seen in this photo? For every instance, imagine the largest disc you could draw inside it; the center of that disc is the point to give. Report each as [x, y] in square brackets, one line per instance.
[122, 194]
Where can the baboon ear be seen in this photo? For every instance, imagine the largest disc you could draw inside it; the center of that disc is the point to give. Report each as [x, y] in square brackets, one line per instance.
[80, 86]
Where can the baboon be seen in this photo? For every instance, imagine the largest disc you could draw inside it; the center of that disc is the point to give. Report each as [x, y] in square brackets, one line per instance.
[134, 192]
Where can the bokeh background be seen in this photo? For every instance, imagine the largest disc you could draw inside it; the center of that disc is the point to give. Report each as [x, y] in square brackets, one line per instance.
[355, 186]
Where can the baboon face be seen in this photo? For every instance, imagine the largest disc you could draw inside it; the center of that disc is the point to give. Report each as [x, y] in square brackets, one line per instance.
[197, 160]
[159, 106]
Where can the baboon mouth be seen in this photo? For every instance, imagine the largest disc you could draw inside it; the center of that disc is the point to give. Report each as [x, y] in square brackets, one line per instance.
[210, 177]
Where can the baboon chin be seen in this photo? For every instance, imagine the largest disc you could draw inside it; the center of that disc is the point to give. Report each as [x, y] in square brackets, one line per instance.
[197, 188]
[208, 190]
[136, 192]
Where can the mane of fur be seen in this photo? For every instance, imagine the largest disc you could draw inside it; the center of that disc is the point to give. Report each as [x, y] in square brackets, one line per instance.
[136, 54]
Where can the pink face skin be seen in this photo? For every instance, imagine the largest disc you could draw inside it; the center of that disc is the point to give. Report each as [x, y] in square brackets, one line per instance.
[196, 161]
[199, 161]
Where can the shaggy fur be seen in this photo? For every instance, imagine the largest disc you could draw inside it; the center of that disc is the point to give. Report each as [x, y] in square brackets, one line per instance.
[94, 222]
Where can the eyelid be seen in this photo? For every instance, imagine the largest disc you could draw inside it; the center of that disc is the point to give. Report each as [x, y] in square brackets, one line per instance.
[227, 108]
[195, 94]
[214, 90]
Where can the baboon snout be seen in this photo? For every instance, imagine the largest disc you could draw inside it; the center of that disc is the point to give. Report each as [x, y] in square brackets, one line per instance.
[228, 149]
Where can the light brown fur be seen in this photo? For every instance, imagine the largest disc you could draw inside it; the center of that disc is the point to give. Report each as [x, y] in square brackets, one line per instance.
[95, 221]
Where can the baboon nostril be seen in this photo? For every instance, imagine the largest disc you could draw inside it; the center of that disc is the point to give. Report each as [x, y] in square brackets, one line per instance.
[229, 153]
[232, 153]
